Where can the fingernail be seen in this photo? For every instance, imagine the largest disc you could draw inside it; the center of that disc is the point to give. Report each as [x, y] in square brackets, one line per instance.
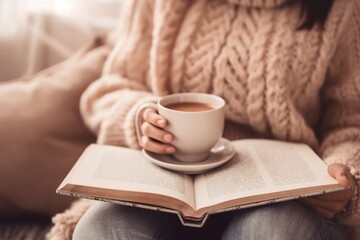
[161, 122]
[168, 137]
[170, 150]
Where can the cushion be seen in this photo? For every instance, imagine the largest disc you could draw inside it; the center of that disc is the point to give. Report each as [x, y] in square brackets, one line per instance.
[42, 133]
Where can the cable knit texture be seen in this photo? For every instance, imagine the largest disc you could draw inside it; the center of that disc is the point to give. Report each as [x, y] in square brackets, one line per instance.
[278, 82]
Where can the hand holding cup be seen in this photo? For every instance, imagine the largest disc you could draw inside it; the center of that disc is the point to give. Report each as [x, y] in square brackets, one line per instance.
[190, 122]
[154, 137]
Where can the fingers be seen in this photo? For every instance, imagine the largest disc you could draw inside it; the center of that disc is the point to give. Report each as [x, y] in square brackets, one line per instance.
[156, 147]
[155, 138]
[156, 133]
[340, 173]
[314, 205]
[338, 196]
[324, 212]
[329, 206]
[151, 116]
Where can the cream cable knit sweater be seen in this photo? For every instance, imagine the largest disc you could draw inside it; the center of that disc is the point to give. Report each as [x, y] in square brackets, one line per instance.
[279, 82]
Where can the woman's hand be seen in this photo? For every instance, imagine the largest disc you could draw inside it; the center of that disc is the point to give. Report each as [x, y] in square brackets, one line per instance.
[328, 205]
[154, 137]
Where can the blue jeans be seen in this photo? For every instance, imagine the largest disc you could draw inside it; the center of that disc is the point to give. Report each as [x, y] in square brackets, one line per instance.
[287, 220]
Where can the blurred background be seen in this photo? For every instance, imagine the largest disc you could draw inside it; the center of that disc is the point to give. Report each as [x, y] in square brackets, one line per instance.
[35, 34]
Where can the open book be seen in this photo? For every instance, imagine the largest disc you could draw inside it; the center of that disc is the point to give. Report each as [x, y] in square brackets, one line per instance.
[261, 172]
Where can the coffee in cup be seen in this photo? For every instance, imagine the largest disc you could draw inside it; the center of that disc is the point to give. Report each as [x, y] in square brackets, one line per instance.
[190, 106]
[195, 119]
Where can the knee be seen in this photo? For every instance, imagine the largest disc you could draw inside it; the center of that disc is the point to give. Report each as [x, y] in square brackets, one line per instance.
[288, 220]
[94, 223]
[112, 221]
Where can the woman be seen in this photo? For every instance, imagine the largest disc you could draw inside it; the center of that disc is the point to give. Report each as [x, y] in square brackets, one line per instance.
[288, 70]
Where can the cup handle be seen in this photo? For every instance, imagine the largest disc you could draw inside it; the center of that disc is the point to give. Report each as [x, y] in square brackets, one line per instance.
[138, 117]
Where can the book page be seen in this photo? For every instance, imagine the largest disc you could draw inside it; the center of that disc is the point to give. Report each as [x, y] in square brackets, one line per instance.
[128, 170]
[261, 167]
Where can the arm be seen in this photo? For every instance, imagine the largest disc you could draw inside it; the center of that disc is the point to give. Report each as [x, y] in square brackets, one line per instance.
[340, 146]
[108, 105]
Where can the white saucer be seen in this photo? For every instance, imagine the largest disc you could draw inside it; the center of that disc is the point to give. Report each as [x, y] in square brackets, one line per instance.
[222, 152]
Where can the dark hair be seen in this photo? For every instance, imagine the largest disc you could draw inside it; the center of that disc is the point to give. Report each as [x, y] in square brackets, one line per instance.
[314, 12]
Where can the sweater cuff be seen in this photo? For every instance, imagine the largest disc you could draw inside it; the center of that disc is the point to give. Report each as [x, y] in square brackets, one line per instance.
[119, 126]
[347, 153]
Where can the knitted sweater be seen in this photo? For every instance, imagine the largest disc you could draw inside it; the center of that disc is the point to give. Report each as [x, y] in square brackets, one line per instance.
[278, 82]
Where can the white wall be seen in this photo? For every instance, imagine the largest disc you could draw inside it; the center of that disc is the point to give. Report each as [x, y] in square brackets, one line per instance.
[35, 34]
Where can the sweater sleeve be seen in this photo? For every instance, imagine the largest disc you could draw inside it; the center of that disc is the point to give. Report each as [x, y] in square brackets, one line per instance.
[109, 104]
[341, 99]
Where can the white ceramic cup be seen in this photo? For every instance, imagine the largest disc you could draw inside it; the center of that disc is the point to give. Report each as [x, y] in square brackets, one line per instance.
[195, 132]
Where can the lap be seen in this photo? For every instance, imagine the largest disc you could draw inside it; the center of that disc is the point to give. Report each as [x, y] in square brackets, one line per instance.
[111, 221]
[288, 220]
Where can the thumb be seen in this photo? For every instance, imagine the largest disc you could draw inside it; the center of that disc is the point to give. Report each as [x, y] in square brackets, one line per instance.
[340, 173]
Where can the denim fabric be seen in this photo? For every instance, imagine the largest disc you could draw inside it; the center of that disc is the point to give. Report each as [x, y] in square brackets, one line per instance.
[287, 220]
